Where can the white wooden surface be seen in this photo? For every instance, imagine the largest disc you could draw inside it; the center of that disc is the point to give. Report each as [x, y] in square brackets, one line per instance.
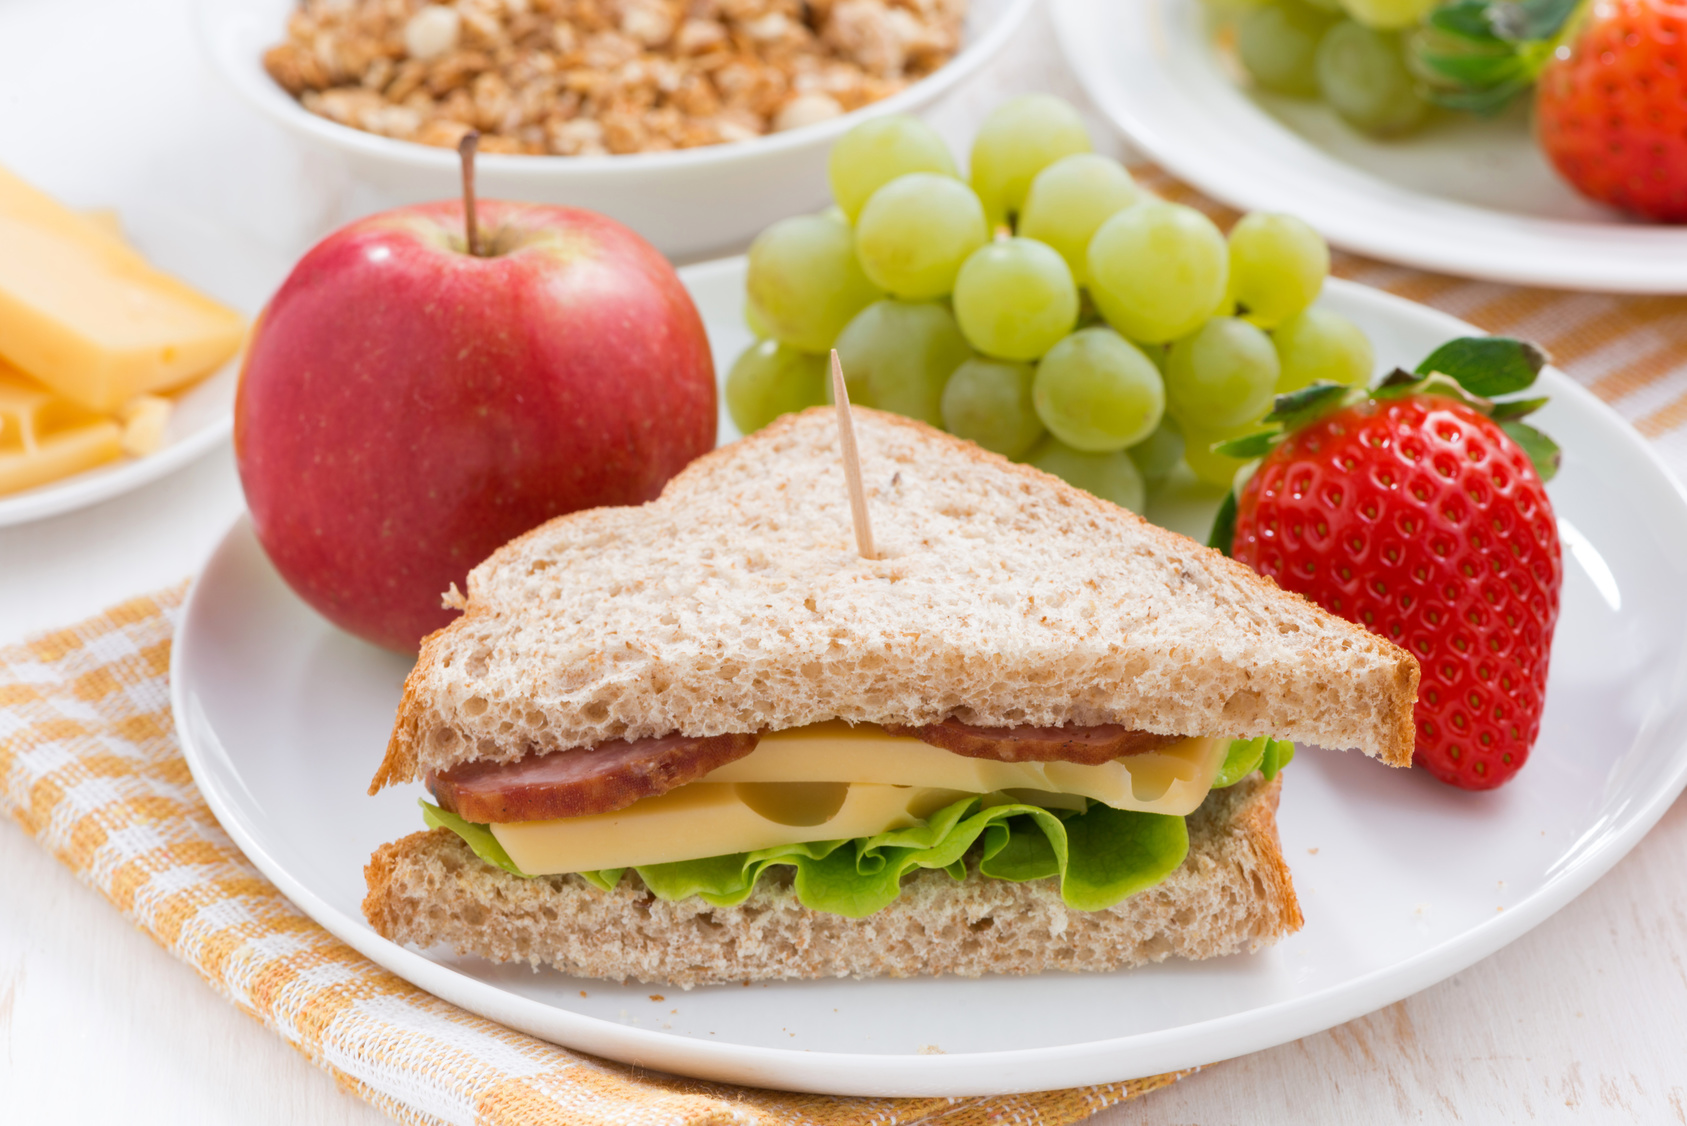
[1582, 1021]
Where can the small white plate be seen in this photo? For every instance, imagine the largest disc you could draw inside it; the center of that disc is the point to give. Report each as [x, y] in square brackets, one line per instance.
[239, 271]
[1403, 881]
[1462, 196]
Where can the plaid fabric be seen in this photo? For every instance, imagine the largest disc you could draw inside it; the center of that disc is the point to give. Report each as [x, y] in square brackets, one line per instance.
[89, 765]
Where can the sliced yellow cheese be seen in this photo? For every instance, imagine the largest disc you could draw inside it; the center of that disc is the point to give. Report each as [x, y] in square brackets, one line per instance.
[145, 419]
[715, 819]
[86, 315]
[832, 782]
[108, 221]
[1172, 780]
[44, 437]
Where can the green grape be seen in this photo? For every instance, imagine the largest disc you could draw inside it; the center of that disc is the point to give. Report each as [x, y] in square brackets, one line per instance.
[1321, 345]
[1333, 6]
[879, 150]
[769, 379]
[1278, 44]
[756, 320]
[1158, 454]
[1111, 476]
[1070, 199]
[1228, 9]
[1019, 139]
[1222, 376]
[989, 402]
[897, 355]
[1214, 468]
[1389, 15]
[805, 282]
[1158, 270]
[1363, 75]
[1277, 266]
[915, 232]
[1015, 299]
[1096, 391]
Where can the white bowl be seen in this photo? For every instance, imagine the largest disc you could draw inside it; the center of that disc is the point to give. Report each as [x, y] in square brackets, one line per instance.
[690, 204]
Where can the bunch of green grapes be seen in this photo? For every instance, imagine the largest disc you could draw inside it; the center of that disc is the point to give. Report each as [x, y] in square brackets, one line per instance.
[1351, 53]
[1046, 308]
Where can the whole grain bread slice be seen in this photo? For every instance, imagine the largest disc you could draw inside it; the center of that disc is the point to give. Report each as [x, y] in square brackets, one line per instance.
[1232, 894]
[736, 602]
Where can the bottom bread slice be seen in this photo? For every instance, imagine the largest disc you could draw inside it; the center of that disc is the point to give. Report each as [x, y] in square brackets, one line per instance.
[1233, 893]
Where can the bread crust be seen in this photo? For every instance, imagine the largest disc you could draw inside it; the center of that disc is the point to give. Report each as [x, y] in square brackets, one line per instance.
[1233, 893]
[1003, 596]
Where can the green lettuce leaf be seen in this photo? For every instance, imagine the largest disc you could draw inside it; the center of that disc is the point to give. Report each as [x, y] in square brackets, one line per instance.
[1263, 754]
[478, 837]
[1100, 856]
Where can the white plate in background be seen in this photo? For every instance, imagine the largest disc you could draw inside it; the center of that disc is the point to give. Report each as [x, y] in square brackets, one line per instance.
[1462, 196]
[1403, 881]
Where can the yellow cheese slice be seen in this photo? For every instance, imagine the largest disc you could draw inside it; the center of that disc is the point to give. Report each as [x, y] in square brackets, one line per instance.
[107, 221]
[715, 819]
[832, 782]
[145, 419]
[44, 437]
[88, 317]
[1172, 780]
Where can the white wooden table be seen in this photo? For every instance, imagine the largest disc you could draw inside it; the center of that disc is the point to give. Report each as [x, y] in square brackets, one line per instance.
[1584, 1020]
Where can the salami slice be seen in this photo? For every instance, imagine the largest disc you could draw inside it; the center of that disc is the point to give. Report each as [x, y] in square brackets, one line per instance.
[574, 783]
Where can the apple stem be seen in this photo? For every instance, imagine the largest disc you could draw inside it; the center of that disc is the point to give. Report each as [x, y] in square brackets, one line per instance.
[466, 149]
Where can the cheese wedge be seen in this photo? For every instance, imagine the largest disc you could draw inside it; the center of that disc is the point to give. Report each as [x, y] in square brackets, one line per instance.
[1173, 780]
[44, 437]
[86, 316]
[832, 782]
[715, 819]
[145, 419]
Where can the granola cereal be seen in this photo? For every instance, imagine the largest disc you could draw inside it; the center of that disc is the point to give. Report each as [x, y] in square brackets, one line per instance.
[579, 77]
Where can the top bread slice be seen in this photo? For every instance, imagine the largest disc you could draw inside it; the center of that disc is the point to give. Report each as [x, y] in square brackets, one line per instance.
[736, 601]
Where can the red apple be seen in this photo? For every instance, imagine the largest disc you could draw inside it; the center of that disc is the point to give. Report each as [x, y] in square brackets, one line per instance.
[406, 407]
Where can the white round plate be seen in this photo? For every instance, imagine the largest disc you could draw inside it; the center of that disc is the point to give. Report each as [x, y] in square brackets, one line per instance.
[237, 270]
[1463, 196]
[1403, 881]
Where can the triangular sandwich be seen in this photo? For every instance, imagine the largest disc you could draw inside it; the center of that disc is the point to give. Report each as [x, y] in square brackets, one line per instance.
[703, 739]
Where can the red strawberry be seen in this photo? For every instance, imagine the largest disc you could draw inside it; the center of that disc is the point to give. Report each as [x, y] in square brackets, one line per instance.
[1611, 110]
[1414, 514]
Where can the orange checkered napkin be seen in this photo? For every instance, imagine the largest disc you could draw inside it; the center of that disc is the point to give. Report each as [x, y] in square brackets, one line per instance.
[89, 764]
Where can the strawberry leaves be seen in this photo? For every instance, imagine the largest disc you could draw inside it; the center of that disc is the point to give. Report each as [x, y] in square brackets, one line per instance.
[1515, 408]
[1542, 451]
[1473, 370]
[1477, 55]
[1486, 366]
[1299, 407]
[1223, 535]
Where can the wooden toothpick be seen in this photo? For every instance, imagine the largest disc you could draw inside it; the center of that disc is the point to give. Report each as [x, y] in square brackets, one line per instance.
[852, 463]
